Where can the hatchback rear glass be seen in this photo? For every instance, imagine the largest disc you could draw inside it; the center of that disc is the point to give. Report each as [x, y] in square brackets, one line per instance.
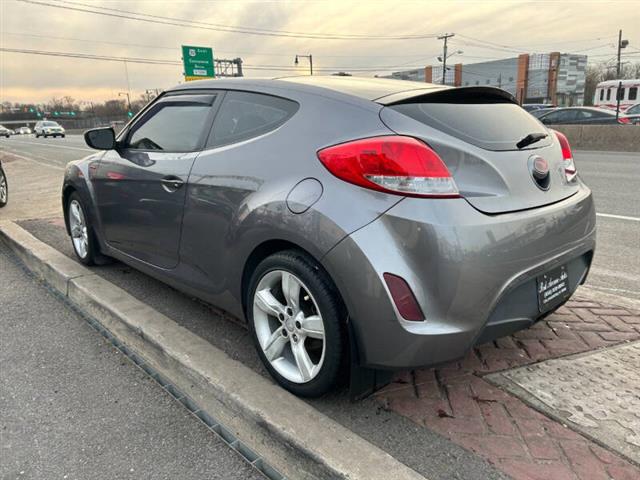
[488, 125]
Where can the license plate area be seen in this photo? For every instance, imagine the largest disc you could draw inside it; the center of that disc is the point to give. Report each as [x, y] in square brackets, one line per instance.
[553, 288]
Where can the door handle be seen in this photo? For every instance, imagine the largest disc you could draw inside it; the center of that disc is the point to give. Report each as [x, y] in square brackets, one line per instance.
[171, 183]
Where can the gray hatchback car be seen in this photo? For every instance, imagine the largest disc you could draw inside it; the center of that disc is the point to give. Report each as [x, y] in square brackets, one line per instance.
[375, 223]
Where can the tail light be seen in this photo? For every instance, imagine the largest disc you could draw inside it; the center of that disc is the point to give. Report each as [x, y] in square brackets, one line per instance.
[392, 164]
[567, 156]
[624, 120]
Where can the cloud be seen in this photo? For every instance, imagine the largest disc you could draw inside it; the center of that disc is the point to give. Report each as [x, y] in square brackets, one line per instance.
[527, 26]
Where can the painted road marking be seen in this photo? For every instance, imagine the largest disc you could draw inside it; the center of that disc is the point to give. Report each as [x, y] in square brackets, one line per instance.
[54, 146]
[619, 217]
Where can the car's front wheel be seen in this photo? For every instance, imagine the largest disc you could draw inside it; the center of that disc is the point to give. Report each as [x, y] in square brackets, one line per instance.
[82, 236]
[297, 321]
[4, 189]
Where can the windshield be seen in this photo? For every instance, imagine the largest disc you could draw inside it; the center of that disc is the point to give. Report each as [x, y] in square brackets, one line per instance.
[634, 109]
[50, 124]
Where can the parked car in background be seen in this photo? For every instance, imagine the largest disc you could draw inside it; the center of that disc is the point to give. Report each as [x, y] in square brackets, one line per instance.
[582, 116]
[24, 131]
[541, 111]
[48, 128]
[4, 187]
[531, 107]
[633, 114]
[466, 220]
[4, 132]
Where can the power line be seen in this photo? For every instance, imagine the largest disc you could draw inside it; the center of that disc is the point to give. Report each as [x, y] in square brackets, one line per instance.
[157, 61]
[162, 20]
[174, 48]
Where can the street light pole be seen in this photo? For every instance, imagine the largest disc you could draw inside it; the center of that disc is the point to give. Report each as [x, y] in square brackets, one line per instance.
[621, 44]
[444, 53]
[128, 100]
[310, 57]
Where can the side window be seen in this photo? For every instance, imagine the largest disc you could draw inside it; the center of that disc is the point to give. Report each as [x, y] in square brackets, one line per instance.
[173, 128]
[608, 94]
[245, 115]
[602, 94]
[551, 117]
[620, 94]
[633, 93]
[584, 114]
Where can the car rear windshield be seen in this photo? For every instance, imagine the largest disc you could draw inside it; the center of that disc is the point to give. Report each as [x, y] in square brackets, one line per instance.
[50, 124]
[488, 125]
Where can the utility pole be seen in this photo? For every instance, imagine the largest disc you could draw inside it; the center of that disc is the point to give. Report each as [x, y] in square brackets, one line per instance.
[444, 53]
[621, 44]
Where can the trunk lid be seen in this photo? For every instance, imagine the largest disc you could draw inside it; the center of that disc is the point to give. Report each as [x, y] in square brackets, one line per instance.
[476, 131]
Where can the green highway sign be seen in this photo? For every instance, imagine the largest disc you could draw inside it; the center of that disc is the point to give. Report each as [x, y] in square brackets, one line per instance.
[198, 63]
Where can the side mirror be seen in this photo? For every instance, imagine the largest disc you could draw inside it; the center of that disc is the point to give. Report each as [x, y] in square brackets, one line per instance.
[101, 138]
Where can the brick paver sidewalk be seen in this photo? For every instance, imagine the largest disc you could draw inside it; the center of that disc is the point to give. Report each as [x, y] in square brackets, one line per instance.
[457, 402]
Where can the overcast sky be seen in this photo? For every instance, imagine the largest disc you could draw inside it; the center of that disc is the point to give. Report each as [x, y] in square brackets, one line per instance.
[484, 30]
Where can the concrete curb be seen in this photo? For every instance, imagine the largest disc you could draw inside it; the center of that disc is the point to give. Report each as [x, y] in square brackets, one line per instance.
[288, 433]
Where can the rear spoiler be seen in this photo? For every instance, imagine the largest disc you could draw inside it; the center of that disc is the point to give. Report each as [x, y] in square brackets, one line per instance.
[449, 95]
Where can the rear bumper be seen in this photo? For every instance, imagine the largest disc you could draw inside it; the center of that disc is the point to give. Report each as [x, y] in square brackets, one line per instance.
[472, 274]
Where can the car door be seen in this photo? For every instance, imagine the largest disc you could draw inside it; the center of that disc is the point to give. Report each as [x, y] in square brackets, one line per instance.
[140, 187]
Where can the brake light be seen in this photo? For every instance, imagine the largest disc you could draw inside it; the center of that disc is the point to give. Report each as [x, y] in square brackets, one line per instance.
[392, 164]
[624, 120]
[567, 156]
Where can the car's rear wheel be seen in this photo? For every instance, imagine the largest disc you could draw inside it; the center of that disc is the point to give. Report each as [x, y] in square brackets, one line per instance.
[297, 322]
[82, 236]
[4, 189]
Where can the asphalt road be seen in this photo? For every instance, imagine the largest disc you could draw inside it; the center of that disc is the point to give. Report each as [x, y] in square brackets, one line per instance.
[71, 406]
[614, 178]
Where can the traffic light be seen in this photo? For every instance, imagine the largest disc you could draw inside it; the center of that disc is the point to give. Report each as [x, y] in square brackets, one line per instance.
[73, 114]
[56, 113]
[129, 114]
[30, 109]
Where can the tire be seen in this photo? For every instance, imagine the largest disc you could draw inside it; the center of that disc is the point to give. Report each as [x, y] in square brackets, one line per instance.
[85, 245]
[4, 189]
[304, 335]
[62, 136]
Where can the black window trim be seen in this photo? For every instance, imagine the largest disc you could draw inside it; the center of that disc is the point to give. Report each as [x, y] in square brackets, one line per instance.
[209, 146]
[174, 98]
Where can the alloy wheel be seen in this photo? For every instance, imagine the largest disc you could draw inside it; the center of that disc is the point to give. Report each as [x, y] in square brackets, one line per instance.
[78, 227]
[289, 326]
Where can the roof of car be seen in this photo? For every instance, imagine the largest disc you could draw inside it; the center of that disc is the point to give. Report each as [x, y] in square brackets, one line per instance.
[366, 88]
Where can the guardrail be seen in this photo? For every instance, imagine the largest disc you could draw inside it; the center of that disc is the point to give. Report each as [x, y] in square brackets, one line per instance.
[621, 138]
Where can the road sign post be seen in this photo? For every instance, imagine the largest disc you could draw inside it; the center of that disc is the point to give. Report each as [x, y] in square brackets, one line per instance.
[198, 63]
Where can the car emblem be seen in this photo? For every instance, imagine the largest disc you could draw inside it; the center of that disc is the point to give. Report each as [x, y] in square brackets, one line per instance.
[539, 169]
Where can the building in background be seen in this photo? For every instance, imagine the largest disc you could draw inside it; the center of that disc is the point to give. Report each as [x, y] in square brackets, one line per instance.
[557, 78]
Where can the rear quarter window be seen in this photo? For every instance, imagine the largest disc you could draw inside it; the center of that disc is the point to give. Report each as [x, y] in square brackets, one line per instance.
[491, 126]
[244, 115]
